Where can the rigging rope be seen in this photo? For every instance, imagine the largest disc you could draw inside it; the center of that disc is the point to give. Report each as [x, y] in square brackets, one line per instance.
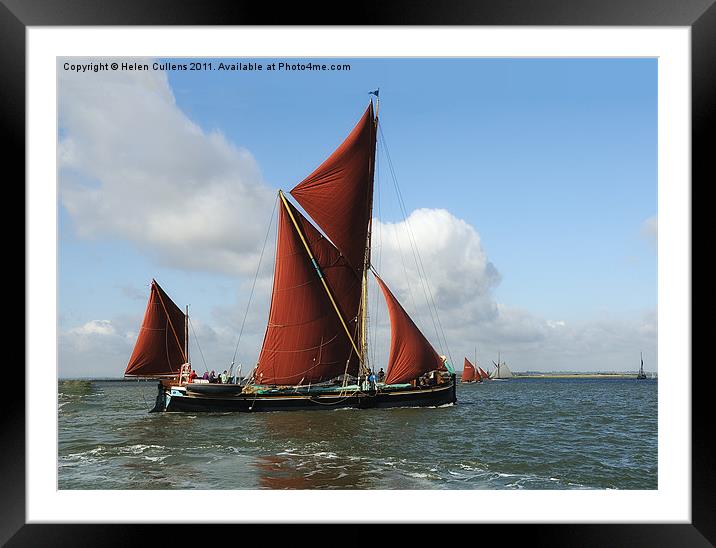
[191, 324]
[253, 285]
[416, 255]
[379, 238]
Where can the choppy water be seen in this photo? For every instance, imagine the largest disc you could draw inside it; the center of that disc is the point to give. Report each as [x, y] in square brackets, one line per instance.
[515, 434]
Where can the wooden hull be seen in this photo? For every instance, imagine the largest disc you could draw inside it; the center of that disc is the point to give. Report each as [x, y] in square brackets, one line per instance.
[433, 396]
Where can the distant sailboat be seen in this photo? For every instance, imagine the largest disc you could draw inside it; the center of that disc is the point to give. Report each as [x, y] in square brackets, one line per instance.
[469, 374]
[641, 375]
[501, 370]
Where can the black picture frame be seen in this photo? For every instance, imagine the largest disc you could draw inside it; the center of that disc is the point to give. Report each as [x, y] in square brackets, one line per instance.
[699, 15]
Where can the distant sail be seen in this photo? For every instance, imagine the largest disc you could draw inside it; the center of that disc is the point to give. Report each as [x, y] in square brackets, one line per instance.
[338, 195]
[159, 350]
[305, 341]
[502, 372]
[468, 371]
[411, 355]
[483, 374]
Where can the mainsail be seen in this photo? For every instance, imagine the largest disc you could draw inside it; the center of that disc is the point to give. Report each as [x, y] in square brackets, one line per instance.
[468, 371]
[338, 195]
[411, 355]
[306, 341]
[161, 343]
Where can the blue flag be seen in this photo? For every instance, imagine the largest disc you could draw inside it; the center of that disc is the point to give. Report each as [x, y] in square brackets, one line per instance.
[374, 92]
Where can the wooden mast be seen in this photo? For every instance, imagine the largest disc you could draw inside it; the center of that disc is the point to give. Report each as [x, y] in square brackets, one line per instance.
[366, 262]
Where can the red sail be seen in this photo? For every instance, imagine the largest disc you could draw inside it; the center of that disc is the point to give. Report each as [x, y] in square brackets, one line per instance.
[338, 195]
[468, 371]
[411, 355]
[159, 350]
[305, 341]
[483, 374]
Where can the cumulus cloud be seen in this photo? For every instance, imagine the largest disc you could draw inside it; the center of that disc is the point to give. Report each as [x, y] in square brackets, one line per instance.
[101, 347]
[457, 273]
[134, 166]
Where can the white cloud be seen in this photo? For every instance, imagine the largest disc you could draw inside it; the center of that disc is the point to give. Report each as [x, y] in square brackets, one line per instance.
[133, 166]
[458, 276]
[97, 348]
[95, 327]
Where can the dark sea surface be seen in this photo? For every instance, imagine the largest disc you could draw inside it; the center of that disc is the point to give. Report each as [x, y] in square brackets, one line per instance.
[512, 434]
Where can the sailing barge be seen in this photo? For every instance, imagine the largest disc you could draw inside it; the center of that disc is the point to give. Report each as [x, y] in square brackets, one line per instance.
[315, 349]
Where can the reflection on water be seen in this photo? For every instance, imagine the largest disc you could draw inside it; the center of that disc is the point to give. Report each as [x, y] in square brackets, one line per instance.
[291, 471]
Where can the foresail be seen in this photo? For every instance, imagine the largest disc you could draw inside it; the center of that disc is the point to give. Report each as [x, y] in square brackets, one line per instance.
[159, 350]
[338, 195]
[305, 340]
[483, 374]
[411, 355]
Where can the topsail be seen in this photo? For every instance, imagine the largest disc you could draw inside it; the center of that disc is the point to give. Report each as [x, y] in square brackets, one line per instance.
[338, 195]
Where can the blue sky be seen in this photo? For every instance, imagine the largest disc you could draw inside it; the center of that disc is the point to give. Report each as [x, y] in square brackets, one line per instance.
[551, 163]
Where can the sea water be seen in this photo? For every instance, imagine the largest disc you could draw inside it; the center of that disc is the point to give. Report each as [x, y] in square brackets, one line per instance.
[512, 434]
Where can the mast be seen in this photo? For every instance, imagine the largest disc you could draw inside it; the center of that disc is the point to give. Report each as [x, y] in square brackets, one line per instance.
[366, 262]
[186, 334]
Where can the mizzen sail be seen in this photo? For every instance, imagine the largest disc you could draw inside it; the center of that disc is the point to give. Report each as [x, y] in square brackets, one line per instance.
[306, 341]
[338, 195]
[411, 355]
[159, 350]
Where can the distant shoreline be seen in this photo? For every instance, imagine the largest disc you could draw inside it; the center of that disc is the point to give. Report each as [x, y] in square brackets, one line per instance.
[576, 375]
[516, 375]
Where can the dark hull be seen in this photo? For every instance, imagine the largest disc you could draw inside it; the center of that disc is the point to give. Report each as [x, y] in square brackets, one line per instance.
[433, 396]
[214, 389]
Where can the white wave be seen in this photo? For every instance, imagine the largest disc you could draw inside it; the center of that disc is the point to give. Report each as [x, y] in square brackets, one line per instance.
[138, 449]
[156, 459]
[326, 454]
